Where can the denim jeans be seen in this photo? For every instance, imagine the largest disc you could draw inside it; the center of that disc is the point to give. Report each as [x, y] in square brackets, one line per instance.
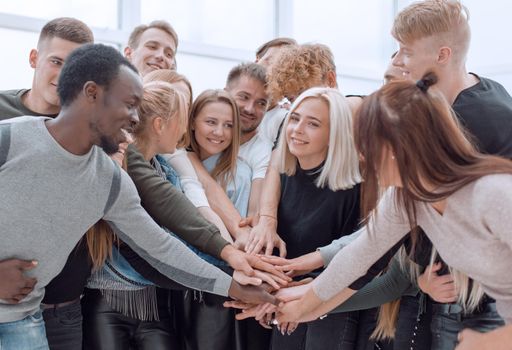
[448, 320]
[64, 326]
[25, 334]
[413, 326]
[335, 332]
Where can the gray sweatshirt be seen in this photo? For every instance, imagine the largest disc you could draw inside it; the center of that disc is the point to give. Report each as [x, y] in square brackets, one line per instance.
[50, 197]
[473, 235]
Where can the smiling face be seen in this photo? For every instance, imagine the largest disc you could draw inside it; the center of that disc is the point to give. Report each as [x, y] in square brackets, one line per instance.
[307, 132]
[156, 49]
[116, 110]
[252, 100]
[213, 128]
[47, 62]
[417, 58]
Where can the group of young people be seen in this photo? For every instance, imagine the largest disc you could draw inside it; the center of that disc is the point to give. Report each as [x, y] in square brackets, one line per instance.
[138, 217]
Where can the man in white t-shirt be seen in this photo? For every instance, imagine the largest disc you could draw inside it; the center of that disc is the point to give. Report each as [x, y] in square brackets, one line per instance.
[267, 55]
[246, 83]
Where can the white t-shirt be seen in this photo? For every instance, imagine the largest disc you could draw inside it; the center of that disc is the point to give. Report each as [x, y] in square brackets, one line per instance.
[271, 122]
[256, 153]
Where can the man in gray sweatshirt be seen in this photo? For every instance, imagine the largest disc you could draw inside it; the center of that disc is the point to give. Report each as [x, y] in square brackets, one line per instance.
[56, 183]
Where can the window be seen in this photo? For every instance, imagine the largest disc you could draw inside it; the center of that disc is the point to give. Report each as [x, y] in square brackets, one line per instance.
[229, 23]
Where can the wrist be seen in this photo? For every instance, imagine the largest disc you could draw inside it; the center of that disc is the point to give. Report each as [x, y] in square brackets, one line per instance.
[227, 252]
[269, 221]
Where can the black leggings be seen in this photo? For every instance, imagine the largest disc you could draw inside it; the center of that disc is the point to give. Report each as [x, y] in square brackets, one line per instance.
[107, 329]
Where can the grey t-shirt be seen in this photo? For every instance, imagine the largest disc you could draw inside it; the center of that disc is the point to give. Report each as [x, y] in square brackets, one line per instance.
[12, 106]
[50, 197]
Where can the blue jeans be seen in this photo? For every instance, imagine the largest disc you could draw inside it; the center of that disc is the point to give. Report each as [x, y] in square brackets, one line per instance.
[337, 331]
[25, 334]
[449, 319]
[413, 325]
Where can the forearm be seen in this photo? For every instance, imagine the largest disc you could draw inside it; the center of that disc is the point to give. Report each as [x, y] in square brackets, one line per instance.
[388, 287]
[271, 189]
[217, 197]
[147, 271]
[212, 217]
[317, 310]
[169, 207]
[254, 199]
[189, 182]
[329, 251]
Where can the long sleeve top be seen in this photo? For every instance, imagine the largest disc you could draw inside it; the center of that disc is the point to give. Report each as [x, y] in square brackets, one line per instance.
[48, 206]
[473, 235]
[170, 208]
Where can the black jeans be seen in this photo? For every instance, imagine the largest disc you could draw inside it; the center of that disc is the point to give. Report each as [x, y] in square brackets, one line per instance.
[107, 329]
[448, 320]
[335, 332]
[413, 327]
[64, 326]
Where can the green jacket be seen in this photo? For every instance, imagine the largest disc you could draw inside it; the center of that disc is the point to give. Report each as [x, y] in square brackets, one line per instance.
[170, 208]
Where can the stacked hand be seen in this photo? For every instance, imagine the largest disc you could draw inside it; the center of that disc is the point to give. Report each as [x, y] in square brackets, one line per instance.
[265, 313]
[263, 237]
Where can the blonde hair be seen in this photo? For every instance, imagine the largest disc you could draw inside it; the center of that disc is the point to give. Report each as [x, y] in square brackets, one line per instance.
[100, 239]
[169, 76]
[159, 99]
[172, 77]
[470, 294]
[225, 169]
[133, 40]
[447, 20]
[341, 168]
[299, 68]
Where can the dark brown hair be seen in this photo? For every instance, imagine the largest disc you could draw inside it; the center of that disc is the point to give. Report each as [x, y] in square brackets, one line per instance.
[67, 28]
[429, 145]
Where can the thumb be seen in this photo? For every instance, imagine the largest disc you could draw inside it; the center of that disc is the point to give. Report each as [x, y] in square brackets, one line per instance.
[435, 267]
[27, 264]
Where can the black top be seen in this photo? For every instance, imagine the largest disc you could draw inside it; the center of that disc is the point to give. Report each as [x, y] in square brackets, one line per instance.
[310, 217]
[485, 109]
[69, 283]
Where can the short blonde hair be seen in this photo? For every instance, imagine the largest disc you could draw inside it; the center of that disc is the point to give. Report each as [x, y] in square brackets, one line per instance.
[447, 20]
[299, 68]
[133, 40]
[341, 168]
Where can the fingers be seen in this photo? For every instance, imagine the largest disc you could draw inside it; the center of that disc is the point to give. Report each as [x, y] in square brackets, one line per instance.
[244, 280]
[256, 245]
[26, 264]
[269, 248]
[266, 278]
[265, 311]
[258, 263]
[275, 260]
[301, 282]
[434, 267]
[282, 248]
[235, 304]
[246, 222]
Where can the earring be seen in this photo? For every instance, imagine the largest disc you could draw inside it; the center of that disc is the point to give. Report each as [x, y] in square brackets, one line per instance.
[393, 157]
